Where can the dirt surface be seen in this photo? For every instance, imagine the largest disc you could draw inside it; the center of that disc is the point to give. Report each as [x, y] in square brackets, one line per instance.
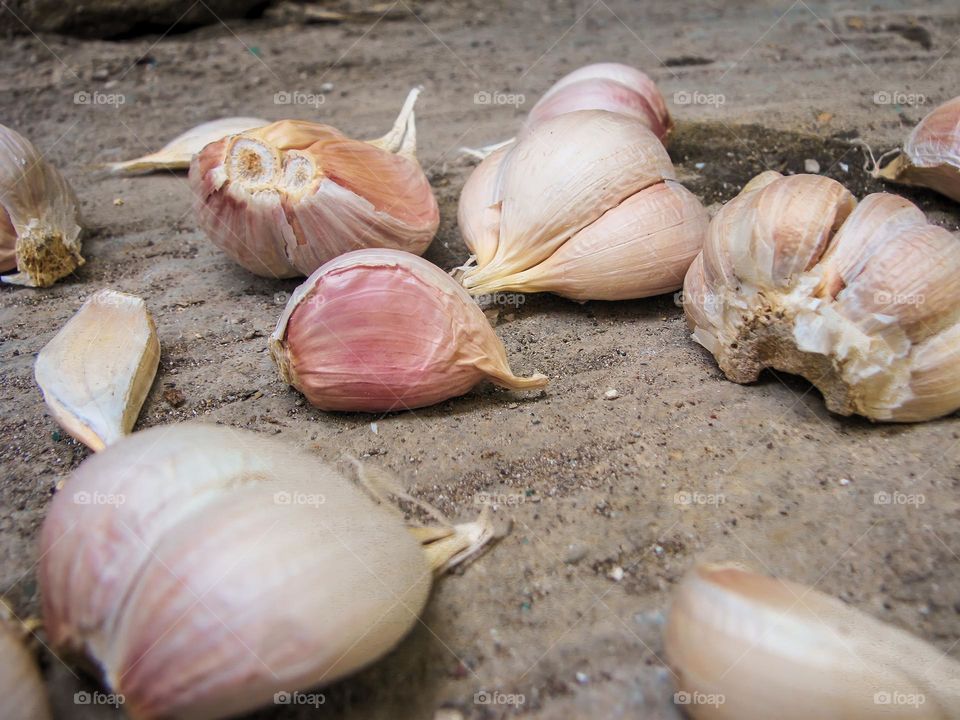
[591, 485]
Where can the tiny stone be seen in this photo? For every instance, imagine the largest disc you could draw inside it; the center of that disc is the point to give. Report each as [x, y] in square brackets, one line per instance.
[611, 394]
[513, 406]
[575, 553]
[373, 429]
[844, 166]
[174, 397]
[582, 678]
[700, 165]
[326, 87]
[118, 201]
[811, 166]
[616, 574]
[844, 481]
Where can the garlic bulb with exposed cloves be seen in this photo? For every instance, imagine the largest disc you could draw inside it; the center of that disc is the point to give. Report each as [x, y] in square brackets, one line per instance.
[39, 216]
[744, 646]
[177, 154]
[205, 568]
[22, 695]
[283, 199]
[586, 207]
[861, 300]
[382, 330]
[96, 372]
[931, 155]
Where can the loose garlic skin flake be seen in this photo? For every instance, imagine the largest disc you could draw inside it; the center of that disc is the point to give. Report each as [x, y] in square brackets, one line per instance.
[39, 216]
[22, 694]
[383, 330]
[283, 199]
[861, 300]
[744, 646]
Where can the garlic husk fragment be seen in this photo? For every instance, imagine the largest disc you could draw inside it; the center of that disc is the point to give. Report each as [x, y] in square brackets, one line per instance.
[931, 155]
[285, 198]
[96, 372]
[744, 646]
[383, 330]
[22, 694]
[206, 568]
[39, 216]
[560, 178]
[177, 154]
[861, 300]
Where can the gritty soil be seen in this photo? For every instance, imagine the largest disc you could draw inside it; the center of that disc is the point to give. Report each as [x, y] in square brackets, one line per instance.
[567, 608]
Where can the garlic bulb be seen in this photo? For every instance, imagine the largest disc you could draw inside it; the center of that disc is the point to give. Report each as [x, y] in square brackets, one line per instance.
[39, 216]
[96, 372]
[585, 206]
[382, 330]
[605, 86]
[931, 155]
[861, 300]
[206, 568]
[22, 695]
[283, 199]
[744, 646]
[177, 154]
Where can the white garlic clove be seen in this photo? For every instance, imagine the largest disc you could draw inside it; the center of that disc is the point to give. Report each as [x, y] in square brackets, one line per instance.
[862, 302]
[39, 216]
[931, 154]
[641, 247]
[177, 154]
[563, 176]
[96, 372]
[478, 211]
[744, 646]
[383, 330]
[283, 199]
[22, 694]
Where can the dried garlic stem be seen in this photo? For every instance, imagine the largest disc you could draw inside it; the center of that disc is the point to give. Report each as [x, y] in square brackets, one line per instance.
[402, 138]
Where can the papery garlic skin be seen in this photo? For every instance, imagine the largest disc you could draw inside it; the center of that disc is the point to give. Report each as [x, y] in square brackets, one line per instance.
[283, 199]
[39, 216]
[22, 694]
[383, 330]
[206, 568]
[478, 211]
[744, 646]
[862, 302]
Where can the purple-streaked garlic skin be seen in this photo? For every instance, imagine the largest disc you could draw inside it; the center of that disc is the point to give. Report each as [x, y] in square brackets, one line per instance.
[383, 330]
[205, 568]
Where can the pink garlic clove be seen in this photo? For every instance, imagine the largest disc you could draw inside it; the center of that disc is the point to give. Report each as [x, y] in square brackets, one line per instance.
[478, 212]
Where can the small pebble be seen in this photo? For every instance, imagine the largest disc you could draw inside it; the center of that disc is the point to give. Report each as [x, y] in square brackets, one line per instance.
[616, 574]
[811, 166]
[326, 87]
[118, 201]
[174, 397]
[575, 553]
[844, 481]
[844, 167]
[373, 429]
[611, 394]
[700, 165]
[582, 678]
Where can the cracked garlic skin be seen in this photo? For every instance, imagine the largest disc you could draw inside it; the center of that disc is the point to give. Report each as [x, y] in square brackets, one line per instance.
[861, 300]
[39, 216]
[22, 694]
[283, 199]
[384, 330]
[745, 646]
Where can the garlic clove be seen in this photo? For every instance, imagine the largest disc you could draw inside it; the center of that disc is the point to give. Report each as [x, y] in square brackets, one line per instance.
[39, 216]
[744, 646]
[639, 248]
[22, 694]
[97, 370]
[563, 176]
[283, 199]
[382, 330]
[478, 211]
[177, 154]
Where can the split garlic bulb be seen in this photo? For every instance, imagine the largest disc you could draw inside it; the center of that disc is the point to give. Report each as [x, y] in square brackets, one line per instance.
[39, 216]
[605, 86]
[22, 695]
[205, 568]
[862, 300]
[586, 207]
[931, 155]
[283, 199]
[383, 330]
[744, 646]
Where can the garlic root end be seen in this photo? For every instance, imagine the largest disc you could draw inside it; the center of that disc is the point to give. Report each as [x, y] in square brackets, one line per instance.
[396, 140]
[461, 544]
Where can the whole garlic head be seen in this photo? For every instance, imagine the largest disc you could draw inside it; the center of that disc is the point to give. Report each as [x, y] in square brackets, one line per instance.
[861, 300]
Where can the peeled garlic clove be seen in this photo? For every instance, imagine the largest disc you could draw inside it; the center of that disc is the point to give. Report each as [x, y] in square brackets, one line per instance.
[382, 330]
[641, 247]
[285, 198]
[22, 695]
[931, 154]
[96, 372]
[478, 212]
[606, 86]
[206, 568]
[39, 216]
[563, 176]
[862, 302]
[744, 646]
[177, 154]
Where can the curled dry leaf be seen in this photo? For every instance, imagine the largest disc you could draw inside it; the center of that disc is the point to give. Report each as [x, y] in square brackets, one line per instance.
[96, 372]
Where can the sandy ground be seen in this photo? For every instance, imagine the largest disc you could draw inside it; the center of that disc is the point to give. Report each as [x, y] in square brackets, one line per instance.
[592, 484]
